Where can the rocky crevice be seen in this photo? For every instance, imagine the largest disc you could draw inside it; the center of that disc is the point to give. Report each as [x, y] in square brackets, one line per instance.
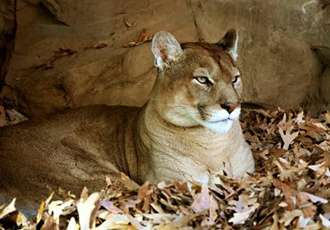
[198, 35]
[7, 36]
[323, 54]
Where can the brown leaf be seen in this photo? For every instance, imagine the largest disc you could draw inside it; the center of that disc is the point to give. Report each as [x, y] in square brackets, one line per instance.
[305, 140]
[180, 187]
[315, 199]
[289, 193]
[73, 224]
[56, 208]
[128, 183]
[40, 211]
[243, 208]
[84, 193]
[110, 207]
[288, 137]
[311, 126]
[309, 211]
[8, 209]
[285, 173]
[325, 221]
[299, 119]
[146, 204]
[289, 216]
[326, 157]
[275, 222]
[87, 209]
[49, 224]
[143, 37]
[143, 191]
[327, 117]
[204, 200]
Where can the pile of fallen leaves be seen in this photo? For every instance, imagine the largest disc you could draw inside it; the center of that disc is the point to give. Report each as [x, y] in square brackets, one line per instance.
[290, 189]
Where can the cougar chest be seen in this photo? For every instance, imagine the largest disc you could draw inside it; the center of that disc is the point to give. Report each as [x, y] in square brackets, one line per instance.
[170, 152]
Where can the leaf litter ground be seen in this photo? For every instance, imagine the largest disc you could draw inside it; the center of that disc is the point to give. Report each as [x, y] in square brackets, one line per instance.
[290, 189]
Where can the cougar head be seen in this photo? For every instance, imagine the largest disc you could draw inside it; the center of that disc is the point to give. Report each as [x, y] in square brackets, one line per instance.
[198, 83]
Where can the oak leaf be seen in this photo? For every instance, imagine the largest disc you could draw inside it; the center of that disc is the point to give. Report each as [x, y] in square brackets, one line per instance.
[288, 137]
[204, 200]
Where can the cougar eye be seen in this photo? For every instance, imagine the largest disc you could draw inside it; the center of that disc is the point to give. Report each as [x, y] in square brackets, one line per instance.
[235, 79]
[203, 80]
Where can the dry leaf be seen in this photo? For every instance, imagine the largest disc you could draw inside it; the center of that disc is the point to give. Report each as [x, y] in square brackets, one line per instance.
[275, 222]
[289, 193]
[128, 183]
[314, 198]
[240, 218]
[204, 200]
[116, 221]
[84, 193]
[303, 222]
[287, 137]
[285, 173]
[243, 208]
[143, 37]
[87, 211]
[9, 209]
[21, 220]
[299, 119]
[108, 181]
[40, 211]
[73, 224]
[56, 208]
[110, 207]
[49, 224]
[290, 215]
[325, 221]
[327, 117]
[143, 191]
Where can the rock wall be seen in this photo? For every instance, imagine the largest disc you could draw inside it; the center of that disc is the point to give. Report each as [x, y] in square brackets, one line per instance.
[69, 53]
[7, 31]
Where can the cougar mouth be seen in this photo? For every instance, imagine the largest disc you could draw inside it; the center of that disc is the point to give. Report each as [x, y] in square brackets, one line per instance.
[222, 120]
[218, 120]
[218, 116]
[220, 126]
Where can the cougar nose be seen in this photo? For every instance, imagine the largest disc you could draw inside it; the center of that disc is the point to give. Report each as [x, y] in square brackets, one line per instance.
[230, 107]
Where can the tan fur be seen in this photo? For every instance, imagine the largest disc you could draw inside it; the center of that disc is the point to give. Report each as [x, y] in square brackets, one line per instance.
[80, 147]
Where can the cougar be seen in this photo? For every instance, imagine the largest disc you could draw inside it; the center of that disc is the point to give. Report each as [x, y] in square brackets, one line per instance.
[187, 130]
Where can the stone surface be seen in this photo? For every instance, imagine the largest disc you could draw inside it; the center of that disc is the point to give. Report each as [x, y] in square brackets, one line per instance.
[7, 31]
[69, 53]
[279, 67]
[325, 88]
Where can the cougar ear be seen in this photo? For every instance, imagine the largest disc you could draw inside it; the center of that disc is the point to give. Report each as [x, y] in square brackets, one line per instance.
[229, 42]
[165, 48]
